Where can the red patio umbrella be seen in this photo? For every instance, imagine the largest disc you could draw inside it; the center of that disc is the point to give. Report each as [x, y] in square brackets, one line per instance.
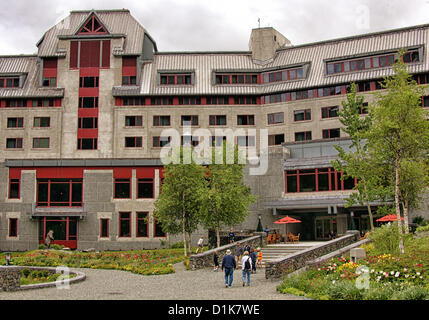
[390, 217]
[286, 220]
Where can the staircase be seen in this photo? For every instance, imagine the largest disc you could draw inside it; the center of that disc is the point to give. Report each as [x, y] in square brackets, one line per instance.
[276, 251]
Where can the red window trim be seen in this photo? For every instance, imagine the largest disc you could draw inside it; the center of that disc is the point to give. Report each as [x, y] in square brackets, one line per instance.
[17, 122]
[38, 143]
[274, 136]
[40, 118]
[231, 75]
[175, 75]
[153, 187]
[16, 143]
[142, 219]
[49, 203]
[137, 140]
[124, 182]
[101, 228]
[192, 120]
[159, 120]
[13, 233]
[305, 136]
[94, 144]
[330, 132]
[15, 182]
[305, 115]
[215, 117]
[135, 121]
[158, 138]
[120, 219]
[329, 109]
[248, 117]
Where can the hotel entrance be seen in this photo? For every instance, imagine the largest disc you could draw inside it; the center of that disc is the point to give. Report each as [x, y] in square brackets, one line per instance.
[64, 228]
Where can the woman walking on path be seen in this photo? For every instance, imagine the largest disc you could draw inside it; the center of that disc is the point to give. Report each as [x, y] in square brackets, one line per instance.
[49, 238]
[215, 261]
[246, 267]
[259, 257]
[254, 257]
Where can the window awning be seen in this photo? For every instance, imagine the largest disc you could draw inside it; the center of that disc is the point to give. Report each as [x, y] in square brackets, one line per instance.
[58, 212]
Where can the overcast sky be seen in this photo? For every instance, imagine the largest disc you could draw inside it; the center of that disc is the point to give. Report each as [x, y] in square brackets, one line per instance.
[194, 25]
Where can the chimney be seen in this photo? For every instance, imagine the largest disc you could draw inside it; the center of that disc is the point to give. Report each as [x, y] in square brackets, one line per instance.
[264, 42]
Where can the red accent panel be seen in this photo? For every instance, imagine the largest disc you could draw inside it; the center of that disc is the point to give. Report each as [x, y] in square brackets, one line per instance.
[88, 92]
[60, 172]
[88, 113]
[90, 72]
[129, 66]
[87, 133]
[50, 68]
[89, 54]
[57, 102]
[145, 173]
[105, 63]
[122, 173]
[15, 173]
[119, 102]
[74, 48]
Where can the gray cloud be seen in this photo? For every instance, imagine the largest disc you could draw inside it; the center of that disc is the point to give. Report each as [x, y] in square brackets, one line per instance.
[192, 25]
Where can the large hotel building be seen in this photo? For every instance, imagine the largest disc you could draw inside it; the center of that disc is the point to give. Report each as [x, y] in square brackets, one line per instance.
[83, 125]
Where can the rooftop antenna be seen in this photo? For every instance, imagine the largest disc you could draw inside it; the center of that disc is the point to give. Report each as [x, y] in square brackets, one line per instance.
[259, 23]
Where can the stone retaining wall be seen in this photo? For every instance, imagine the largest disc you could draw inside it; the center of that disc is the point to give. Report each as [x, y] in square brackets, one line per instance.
[205, 259]
[9, 278]
[278, 268]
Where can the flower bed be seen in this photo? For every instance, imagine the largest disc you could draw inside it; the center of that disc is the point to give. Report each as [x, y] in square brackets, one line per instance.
[384, 276]
[148, 262]
[29, 276]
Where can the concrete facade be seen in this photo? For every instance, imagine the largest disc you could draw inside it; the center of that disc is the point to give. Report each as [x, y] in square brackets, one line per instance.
[270, 52]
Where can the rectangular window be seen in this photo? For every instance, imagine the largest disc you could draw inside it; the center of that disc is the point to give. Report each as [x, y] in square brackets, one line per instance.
[88, 82]
[14, 189]
[246, 141]
[122, 188]
[87, 144]
[176, 79]
[331, 133]
[16, 103]
[49, 82]
[14, 143]
[59, 192]
[161, 121]
[142, 224]
[41, 122]
[104, 228]
[124, 224]
[275, 140]
[40, 143]
[129, 80]
[145, 189]
[88, 123]
[13, 227]
[133, 121]
[217, 141]
[246, 120]
[189, 141]
[303, 136]
[215, 120]
[189, 121]
[425, 102]
[189, 101]
[159, 142]
[88, 102]
[330, 112]
[364, 108]
[133, 142]
[9, 82]
[15, 122]
[158, 233]
[302, 115]
[275, 118]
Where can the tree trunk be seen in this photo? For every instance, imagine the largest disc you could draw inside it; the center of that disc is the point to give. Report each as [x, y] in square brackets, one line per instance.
[183, 225]
[189, 243]
[405, 206]
[371, 220]
[218, 236]
[398, 209]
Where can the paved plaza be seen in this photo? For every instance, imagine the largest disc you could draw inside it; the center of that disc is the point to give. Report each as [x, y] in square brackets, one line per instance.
[182, 285]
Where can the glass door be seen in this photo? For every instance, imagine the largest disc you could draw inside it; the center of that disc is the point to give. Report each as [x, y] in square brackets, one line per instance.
[64, 229]
[323, 226]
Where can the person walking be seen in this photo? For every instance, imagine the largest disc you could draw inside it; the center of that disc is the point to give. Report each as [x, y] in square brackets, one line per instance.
[238, 252]
[231, 236]
[246, 267]
[253, 255]
[49, 238]
[228, 264]
[200, 244]
[259, 257]
[247, 247]
[215, 261]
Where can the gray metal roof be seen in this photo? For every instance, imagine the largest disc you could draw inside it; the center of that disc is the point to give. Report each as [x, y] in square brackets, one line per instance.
[28, 66]
[204, 63]
[118, 22]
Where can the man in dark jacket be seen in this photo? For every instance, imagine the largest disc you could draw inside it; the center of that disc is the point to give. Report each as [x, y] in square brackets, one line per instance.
[228, 264]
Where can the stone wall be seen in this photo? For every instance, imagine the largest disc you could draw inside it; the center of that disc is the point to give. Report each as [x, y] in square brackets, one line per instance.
[278, 268]
[9, 278]
[205, 259]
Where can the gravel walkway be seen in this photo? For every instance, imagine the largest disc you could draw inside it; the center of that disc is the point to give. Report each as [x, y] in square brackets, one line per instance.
[182, 285]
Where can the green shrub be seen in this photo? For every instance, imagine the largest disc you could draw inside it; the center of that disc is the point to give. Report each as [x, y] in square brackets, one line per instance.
[42, 247]
[345, 290]
[423, 228]
[386, 239]
[293, 291]
[25, 272]
[57, 246]
[379, 292]
[177, 245]
[411, 293]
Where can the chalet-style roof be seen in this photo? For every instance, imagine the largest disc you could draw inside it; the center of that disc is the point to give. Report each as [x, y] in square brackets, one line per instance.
[25, 66]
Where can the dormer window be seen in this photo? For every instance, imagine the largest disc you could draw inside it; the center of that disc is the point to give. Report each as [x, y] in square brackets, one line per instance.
[9, 82]
[92, 26]
[176, 79]
[284, 75]
[228, 78]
